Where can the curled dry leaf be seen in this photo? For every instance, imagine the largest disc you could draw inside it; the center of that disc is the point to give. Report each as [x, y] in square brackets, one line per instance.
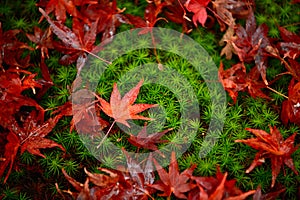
[228, 37]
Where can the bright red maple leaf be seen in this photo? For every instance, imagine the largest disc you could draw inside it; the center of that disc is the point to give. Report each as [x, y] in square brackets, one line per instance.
[236, 79]
[173, 182]
[198, 7]
[274, 147]
[142, 140]
[121, 109]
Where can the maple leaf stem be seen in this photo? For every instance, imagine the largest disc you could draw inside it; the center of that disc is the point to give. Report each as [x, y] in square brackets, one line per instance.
[293, 24]
[275, 91]
[154, 50]
[106, 61]
[146, 192]
[33, 133]
[105, 136]
[184, 12]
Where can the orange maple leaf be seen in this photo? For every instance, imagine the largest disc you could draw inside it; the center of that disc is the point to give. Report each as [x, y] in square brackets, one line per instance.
[121, 109]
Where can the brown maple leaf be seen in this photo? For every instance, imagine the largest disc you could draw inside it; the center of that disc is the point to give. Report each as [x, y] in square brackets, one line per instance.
[142, 140]
[172, 181]
[228, 37]
[30, 136]
[121, 109]
[274, 147]
[228, 10]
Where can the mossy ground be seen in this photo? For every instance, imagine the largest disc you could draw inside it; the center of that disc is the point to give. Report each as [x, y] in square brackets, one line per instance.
[36, 177]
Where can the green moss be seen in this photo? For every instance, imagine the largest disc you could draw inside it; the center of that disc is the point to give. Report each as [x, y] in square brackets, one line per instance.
[247, 112]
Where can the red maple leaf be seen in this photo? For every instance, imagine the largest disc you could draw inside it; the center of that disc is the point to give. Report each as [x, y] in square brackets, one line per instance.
[172, 181]
[198, 7]
[217, 188]
[27, 129]
[150, 17]
[61, 7]
[121, 109]
[11, 49]
[175, 12]
[274, 147]
[251, 43]
[85, 112]
[290, 47]
[77, 43]
[236, 79]
[290, 110]
[113, 184]
[108, 15]
[269, 196]
[142, 140]
[44, 41]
